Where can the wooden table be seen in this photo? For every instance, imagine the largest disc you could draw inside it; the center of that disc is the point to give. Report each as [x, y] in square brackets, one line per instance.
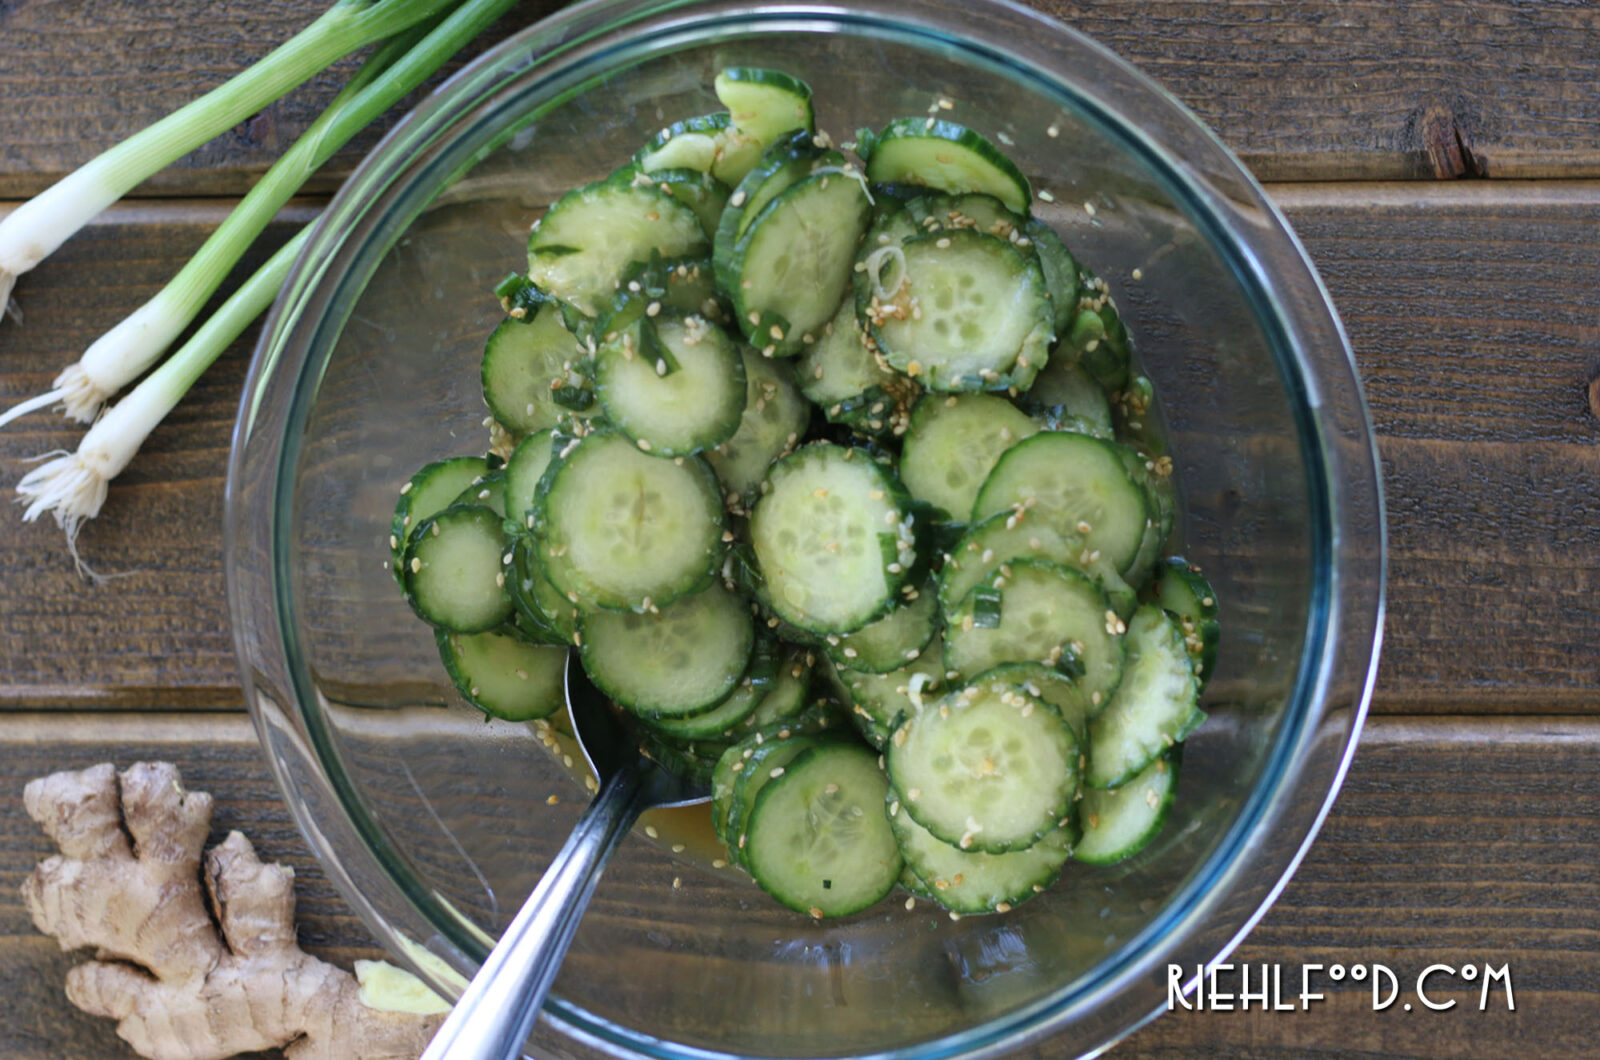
[1442, 163]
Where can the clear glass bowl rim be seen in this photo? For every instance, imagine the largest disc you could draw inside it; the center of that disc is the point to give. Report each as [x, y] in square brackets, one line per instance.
[581, 33]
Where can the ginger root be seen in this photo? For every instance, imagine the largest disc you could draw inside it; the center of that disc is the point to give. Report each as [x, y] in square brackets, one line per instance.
[182, 985]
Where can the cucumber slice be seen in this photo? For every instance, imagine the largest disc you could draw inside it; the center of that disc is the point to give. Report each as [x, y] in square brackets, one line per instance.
[877, 701]
[687, 144]
[1156, 706]
[504, 677]
[784, 162]
[524, 471]
[1030, 611]
[974, 210]
[945, 156]
[673, 383]
[1068, 400]
[1002, 538]
[537, 601]
[1060, 272]
[1184, 592]
[818, 838]
[961, 310]
[987, 768]
[761, 761]
[791, 268]
[700, 191]
[1097, 337]
[967, 881]
[684, 284]
[893, 641]
[454, 570]
[762, 105]
[774, 419]
[618, 528]
[1052, 686]
[489, 490]
[585, 243]
[1073, 484]
[738, 705]
[426, 494]
[683, 661]
[521, 361]
[1162, 506]
[953, 443]
[832, 538]
[1119, 823]
[841, 373]
[787, 700]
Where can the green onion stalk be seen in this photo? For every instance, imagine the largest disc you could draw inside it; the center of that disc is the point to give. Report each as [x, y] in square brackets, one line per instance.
[73, 486]
[35, 229]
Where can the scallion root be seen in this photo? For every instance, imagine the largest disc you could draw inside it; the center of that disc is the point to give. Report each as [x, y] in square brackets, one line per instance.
[72, 490]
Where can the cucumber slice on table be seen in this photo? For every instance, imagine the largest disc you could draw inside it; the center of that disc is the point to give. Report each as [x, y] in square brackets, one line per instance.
[455, 571]
[971, 881]
[426, 494]
[673, 383]
[619, 528]
[945, 156]
[986, 768]
[521, 361]
[792, 266]
[953, 443]
[1156, 706]
[1184, 592]
[1119, 823]
[584, 245]
[832, 538]
[1072, 484]
[502, 676]
[1031, 611]
[818, 837]
[958, 310]
[679, 662]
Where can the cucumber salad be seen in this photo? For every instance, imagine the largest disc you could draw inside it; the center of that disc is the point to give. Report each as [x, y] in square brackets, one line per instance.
[830, 464]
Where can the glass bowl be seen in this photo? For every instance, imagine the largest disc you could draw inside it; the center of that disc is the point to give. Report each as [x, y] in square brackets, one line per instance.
[435, 824]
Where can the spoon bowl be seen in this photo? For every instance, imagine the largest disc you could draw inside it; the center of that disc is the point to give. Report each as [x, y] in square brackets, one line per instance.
[494, 1016]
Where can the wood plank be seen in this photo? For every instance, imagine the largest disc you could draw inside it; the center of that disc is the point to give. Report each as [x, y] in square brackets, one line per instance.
[82, 77]
[1329, 89]
[1454, 840]
[1469, 307]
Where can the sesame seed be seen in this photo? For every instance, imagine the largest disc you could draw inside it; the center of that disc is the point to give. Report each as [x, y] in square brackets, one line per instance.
[678, 848]
[1053, 131]
[1088, 208]
[816, 914]
[737, 199]
[718, 863]
[416, 564]
[644, 445]
[552, 800]
[406, 488]
[677, 882]
[1137, 274]
[776, 773]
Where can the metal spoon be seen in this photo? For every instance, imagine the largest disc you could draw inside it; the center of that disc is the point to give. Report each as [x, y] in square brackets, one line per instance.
[493, 1018]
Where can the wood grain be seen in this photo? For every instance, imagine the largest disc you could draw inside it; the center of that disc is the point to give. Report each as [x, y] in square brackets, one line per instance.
[1453, 841]
[1469, 306]
[1329, 89]
[79, 77]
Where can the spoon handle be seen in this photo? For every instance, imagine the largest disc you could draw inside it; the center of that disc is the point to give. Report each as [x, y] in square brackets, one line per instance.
[494, 1016]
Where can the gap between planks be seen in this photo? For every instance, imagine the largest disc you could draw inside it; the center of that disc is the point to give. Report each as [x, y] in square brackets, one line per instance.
[231, 727]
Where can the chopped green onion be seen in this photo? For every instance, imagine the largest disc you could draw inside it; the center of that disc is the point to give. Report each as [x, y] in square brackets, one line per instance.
[576, 398]
[1069, 664]
[653, 350]
[986, 607]
[512, 284]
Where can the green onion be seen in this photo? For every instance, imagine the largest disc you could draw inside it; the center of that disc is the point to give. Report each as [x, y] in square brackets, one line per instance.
[1070, 664]
[986, 607]
[125, 352]
[576, 398]
[653, 350]
[35, 229]
[73, 487]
